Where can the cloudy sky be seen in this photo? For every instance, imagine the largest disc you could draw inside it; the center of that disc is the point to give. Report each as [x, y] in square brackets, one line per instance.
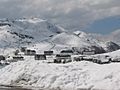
[101, 16]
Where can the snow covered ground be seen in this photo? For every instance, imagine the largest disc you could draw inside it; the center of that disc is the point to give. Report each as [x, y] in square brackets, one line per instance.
[72, 76]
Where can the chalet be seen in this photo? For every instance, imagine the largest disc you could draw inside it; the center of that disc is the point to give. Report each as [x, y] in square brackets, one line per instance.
[5, 24]
[79, 58]
[33, 52]
[3, 62]
[17, 58]
[48, 52]
[62, 58]
[87, 52]
[23, 49]
[27, 52]
[40, 57]
[30, 52]
[2, 57]
[68, 52]
[16, 52]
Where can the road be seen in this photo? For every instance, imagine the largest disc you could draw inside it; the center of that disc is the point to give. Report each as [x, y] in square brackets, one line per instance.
[7, 87]
[13, 88]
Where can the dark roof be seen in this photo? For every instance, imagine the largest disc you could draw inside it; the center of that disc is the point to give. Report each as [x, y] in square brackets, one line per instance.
[16, 57]
[62, 55]
[33, 51]
[28, 50]
[88, 51]
[38, 55]
[66, 51]
[3, 24]
[2, 57]
[48, 51]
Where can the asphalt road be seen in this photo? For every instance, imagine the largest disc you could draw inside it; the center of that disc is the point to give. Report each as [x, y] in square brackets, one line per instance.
[12, 88]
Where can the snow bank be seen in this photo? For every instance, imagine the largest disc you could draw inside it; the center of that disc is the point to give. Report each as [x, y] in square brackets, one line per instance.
[72, 76]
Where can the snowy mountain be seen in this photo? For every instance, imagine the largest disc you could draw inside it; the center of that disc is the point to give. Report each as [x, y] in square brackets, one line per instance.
[37, 28]
[78, 40]
[41, 35]
[21, 32]
[111, 46]
[115, 36]
[109, 42]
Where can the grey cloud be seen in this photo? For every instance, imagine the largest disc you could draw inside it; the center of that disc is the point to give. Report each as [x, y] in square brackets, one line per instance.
[67, 13]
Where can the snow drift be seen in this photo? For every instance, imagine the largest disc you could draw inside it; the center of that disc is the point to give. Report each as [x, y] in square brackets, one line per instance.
[72, 76]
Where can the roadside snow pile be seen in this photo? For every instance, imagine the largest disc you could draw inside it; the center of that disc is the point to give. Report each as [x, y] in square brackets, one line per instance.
[72, 76]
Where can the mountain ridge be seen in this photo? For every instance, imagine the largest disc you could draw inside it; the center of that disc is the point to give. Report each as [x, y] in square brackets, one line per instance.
[42, 35]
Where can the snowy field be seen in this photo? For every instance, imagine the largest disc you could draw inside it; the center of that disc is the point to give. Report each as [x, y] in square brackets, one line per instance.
[72, 76]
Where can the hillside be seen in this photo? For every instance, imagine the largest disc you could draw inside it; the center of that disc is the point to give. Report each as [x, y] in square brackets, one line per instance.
[78, 40]
[113, 36]
[41, 35]
[25, 32]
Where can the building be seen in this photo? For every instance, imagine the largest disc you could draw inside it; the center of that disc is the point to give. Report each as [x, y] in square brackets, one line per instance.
[23, 49]
[87, 52]
[30, 52]
[27, 52]
[40, 57]
[2, 57]
[62, 58]
[17, 58]
[68, 52]
[4, 24]
[48, 52]
[16, 52]
[79, 58]
[4, 62]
